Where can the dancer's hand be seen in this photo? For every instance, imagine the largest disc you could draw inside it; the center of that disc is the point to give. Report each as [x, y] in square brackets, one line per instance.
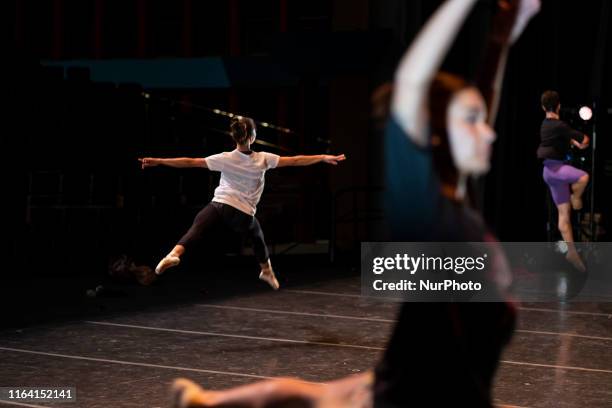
[512, 18]
[581, 146]
[527, 9]
[333, 160]
[148, 162]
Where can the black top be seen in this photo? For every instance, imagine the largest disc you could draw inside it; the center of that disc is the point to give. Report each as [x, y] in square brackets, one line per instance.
[555, 139]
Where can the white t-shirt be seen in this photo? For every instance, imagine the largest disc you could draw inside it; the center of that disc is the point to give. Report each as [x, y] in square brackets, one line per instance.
[242, 177]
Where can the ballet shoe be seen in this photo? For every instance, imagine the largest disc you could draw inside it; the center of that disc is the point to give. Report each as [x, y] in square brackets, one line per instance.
[168, 262]
[267, 275]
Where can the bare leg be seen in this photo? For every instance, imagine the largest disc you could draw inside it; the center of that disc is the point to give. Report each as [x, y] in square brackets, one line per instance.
[170, 260]
[577, 190]
[354, 391]
[257, 395]
[565, 227]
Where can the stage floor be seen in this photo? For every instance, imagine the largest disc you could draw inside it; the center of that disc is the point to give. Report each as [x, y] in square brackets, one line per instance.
[317, 330]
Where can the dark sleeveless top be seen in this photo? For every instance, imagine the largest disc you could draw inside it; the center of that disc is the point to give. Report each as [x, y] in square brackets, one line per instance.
[439, 353]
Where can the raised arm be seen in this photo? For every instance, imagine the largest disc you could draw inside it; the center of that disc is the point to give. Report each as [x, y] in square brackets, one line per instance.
[421, 63]
[179, 162]
[309, 160]
[508, 23]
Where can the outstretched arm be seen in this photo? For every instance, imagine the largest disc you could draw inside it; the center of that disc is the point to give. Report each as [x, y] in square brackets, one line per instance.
[309, 160]
[420, 64]
[179, 162]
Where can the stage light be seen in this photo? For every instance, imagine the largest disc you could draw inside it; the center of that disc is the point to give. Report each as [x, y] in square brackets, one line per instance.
[585, 113]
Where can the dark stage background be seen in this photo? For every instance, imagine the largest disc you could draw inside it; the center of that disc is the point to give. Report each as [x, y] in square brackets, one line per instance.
[75, 195]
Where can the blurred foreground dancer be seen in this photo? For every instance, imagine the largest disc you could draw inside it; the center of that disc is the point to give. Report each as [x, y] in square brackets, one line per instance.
[440, 136]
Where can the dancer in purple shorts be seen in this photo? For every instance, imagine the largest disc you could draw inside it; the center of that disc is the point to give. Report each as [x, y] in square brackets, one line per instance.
[236, 197]
[566, 182]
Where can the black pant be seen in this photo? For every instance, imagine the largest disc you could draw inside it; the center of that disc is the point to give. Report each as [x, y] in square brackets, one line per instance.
[236, 220]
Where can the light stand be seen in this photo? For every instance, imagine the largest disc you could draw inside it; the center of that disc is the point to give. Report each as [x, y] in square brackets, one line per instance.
[592, 200]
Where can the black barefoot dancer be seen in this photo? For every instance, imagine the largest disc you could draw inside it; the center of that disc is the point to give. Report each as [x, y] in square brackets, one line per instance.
[236, 198]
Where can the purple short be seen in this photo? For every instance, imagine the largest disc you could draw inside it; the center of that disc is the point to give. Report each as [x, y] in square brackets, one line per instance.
[559, 177]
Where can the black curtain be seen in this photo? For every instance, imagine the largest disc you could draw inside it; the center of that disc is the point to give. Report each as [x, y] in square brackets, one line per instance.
[563, 48]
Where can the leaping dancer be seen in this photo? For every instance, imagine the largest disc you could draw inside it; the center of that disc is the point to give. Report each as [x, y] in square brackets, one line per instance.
[235, 200]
